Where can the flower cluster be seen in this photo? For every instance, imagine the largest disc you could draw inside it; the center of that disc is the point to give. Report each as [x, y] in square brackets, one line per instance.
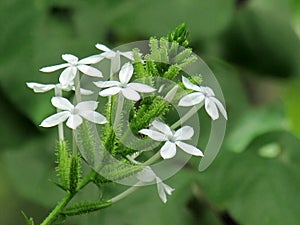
[124, 87]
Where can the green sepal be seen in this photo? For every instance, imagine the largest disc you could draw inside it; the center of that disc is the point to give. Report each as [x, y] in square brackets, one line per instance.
[85, 207]
[75, 168]
[152, 107]
[63, 163]
[58, 185]
[172, 72]
[29, 221]
[120, 170]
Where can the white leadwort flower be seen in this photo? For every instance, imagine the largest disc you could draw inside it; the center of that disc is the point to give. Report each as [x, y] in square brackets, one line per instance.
[73, 114]
[72, 66]
[128, 90]
[114, 56]
[41, 88]
[206, 94]
[162, 132]
[147, 175]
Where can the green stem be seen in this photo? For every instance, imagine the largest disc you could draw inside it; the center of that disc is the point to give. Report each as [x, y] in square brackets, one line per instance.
[68, 197]
[57, 210]
[188, 115]
[125, 193]
[119, 110]
[77, 88]
[77, 100]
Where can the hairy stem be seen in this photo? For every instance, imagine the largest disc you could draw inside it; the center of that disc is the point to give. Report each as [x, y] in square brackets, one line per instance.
[68, 197]
[57, 210]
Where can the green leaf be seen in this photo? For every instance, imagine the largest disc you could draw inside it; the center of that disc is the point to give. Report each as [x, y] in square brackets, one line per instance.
[255, 189]
[29, 169]
[85, 207]
[145, 207]
[195, 13]
[254, 123]
[291, 101]
[261, 39]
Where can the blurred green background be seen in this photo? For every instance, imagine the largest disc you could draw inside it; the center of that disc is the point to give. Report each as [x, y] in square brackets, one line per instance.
[252, 46]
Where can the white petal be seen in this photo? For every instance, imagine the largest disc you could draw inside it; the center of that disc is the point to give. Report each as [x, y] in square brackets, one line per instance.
[130, 94]
[91, 59]
[102, 47]
[166, 187]
[184, 133]
[90, 71]
[162, 127]
[110, 91]
[211, 109]
[128, 55]
[190, 149]
[74, 121]
[66, 87]
[126, 73]
[191, 99]
[141, 87]
[168, 150]
[86, 105]
[106, 84]
[70, 58]
[108, 55]
[115, 64]
[49, 69]
[40, 88]
[207, 90]
[155, 135]
[220, 106]
[189, 85]
[55, 119]
[93, 116]
[62, 103]
[68, 75]
[171, 94]
[86, 92]
[146, 175]
[161, 192]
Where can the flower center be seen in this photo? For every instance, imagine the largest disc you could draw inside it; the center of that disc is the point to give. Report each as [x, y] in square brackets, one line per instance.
[74, 111]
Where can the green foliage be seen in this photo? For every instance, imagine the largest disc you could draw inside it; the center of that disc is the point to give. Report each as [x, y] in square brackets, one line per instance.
[254, 124]
[291, 100]
[266, 185]
[63, 163]
[260, 36]
[69, 167]
[152, 107]
[75, 173]
[179, 35]
[29, 221]
[85, 207]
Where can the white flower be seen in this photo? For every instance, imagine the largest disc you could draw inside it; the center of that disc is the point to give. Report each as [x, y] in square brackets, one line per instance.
[206, 94]
[41, 88]
[72, 66]
[162, 132]
[73, 114]
[147, 175]
[128, 90]
[114, 56]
